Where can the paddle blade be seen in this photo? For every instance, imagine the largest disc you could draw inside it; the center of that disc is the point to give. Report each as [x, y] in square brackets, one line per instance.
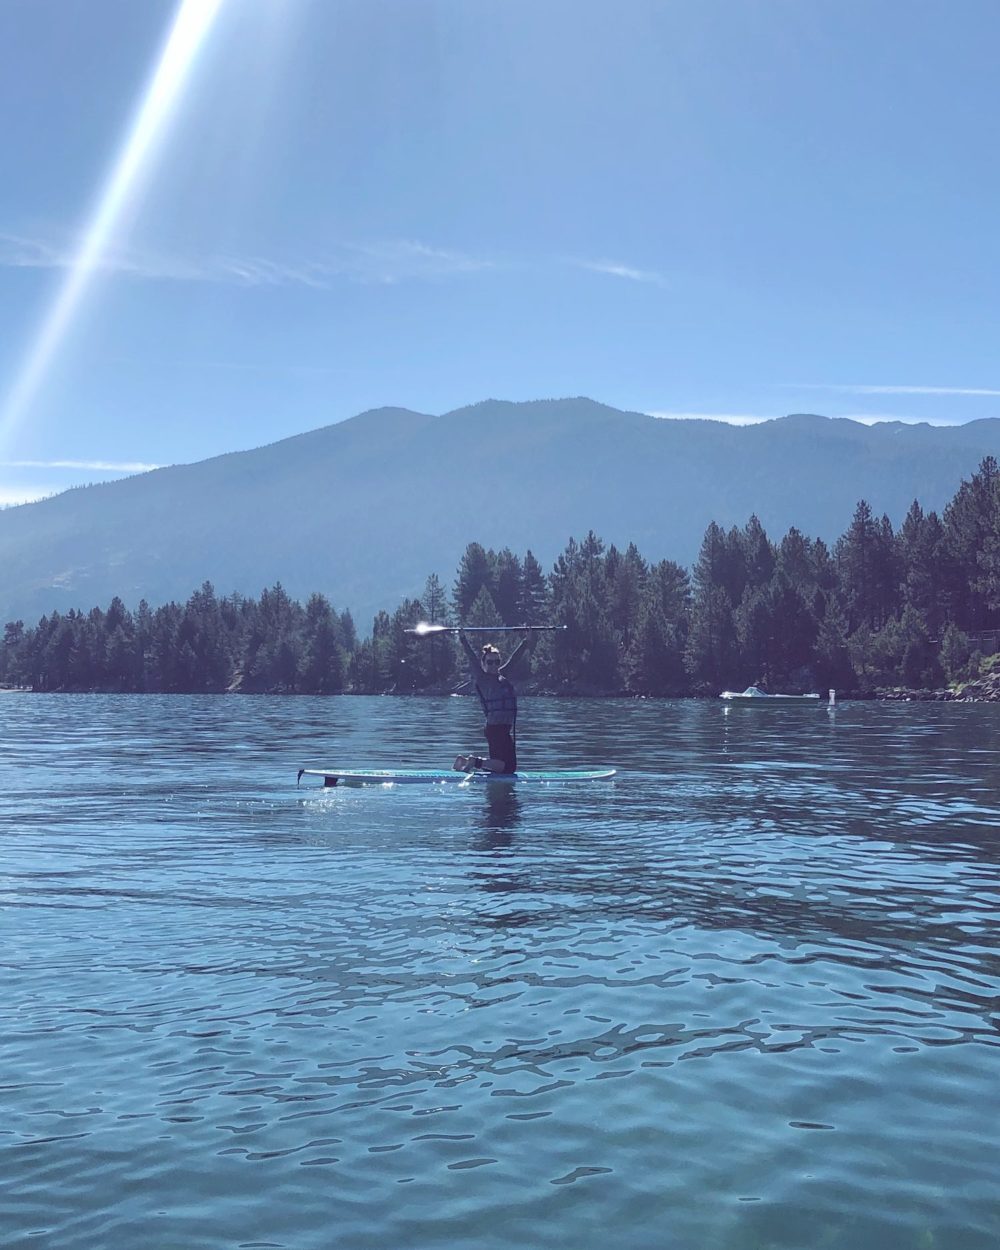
[424, 629]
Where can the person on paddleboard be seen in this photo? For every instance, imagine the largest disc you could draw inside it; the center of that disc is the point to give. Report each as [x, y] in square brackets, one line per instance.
[499, 699]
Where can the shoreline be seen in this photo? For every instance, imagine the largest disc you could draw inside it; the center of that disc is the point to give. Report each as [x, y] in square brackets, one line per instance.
[986, 691]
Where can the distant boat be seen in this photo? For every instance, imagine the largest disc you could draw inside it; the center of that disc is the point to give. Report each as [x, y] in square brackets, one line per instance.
[754, 694]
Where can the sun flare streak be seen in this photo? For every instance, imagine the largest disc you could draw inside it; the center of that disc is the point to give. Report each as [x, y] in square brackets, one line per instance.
[193, 21]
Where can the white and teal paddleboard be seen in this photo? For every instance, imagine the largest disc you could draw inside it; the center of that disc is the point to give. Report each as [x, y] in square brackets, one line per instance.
[412, 776]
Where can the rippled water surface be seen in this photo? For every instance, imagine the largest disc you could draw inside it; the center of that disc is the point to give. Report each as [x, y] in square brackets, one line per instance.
[747, 996]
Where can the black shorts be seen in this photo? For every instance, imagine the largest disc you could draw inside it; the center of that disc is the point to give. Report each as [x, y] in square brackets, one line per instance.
[501, 744]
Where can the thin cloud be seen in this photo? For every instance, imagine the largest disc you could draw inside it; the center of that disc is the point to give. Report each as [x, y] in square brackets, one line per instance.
[729, 418]
[403, 259]
[255, 271]
[858, 389]
[617, 270]
[20, 252]
[743, 418]
[882, 418]
[386, 262]
[27, 494]
[99, 466]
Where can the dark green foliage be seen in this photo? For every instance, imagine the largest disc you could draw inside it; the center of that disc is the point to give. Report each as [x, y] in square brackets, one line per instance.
[710, 654]
[435, 601]
[626, 576]
[534, 606]
[909, 609]
[439, 661]
[970, 543]
[831, 655]
[954, 655]
[323, 660]
[475, 571]
[777, 632]
[857, 558]
[796, 559]
[586, 652]
[920, 665]
[656, 658]
[508, 580]
[921, 555]
[711, 657]
[758, 554]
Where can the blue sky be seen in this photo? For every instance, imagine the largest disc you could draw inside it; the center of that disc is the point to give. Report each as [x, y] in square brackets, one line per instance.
[737, 208]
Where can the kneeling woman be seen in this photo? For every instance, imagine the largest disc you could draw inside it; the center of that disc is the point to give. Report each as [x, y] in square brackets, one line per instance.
[499, 700]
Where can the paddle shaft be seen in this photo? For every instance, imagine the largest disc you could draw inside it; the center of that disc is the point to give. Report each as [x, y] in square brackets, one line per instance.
[427, 630]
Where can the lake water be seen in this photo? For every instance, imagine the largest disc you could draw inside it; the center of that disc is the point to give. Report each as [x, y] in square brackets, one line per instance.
[745, 997]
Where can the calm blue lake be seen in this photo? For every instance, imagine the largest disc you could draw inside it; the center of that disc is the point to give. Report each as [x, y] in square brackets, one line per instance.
[746, 997]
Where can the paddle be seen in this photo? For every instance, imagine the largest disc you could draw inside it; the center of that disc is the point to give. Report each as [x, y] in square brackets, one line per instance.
[425, 630]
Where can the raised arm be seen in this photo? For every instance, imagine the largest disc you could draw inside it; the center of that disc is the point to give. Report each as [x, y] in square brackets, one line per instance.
[527, 641]
[469, 650]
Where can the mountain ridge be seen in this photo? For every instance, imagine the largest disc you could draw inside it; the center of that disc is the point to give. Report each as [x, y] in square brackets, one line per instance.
[362, 510]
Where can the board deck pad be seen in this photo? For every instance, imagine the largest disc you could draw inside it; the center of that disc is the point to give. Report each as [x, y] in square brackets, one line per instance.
[432, 776]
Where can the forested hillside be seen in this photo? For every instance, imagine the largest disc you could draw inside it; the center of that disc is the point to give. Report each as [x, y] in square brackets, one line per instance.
[361, 510]
[912, 606]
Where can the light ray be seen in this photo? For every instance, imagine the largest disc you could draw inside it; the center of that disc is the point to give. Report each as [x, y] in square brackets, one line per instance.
[191, 24]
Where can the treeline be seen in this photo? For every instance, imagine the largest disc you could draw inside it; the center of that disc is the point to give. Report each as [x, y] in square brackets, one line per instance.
[880, 608]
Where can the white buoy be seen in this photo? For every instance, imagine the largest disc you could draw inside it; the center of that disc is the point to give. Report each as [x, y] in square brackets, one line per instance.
[833, 696]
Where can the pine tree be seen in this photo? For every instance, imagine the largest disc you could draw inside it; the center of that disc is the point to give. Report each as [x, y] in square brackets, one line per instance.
[381, 653]
[475, 571]
[710, 654]
[586, 649]
[954, 654]
[671, 584]
[970, 530]
[143, 641]
[440, 651]
[508, 587]
[348, 632]
[795, 560]
[12, 654]
[483, 612]
[202, 629]
[754, 626]
[120, 661]
[435, 601]
[363, 677]
[408, 654]
[919, 665]
[627, 576]
[858, 563]
[656, 658]
[832, 655]
[920, 555]
[888, 571]
[161, 664]
[758, 554]
[534, 606]
[323, 664]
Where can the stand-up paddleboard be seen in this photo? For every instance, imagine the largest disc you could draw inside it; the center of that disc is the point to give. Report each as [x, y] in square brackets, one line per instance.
[437, 776]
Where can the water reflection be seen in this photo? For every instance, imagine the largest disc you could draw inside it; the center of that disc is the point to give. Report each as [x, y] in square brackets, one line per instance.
[499, 818]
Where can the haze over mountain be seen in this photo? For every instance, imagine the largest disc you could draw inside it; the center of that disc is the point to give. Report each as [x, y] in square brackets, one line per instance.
[363, 510]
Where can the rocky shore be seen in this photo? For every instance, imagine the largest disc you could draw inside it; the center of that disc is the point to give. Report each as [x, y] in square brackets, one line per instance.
[983, 690]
